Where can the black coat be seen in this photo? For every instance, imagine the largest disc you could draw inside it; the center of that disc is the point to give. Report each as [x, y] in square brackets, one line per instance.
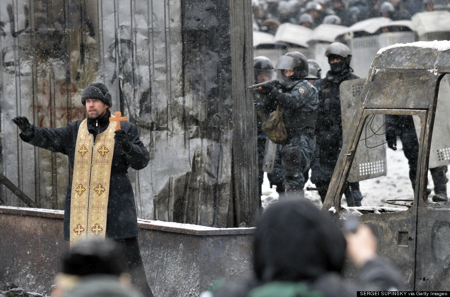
[121, 217]
[329, 121]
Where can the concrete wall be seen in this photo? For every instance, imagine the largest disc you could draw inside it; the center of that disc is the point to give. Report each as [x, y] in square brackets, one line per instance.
[180, 259]
[177, 69]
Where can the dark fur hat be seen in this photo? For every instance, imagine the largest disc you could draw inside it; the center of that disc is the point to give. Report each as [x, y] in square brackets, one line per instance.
[96, 91]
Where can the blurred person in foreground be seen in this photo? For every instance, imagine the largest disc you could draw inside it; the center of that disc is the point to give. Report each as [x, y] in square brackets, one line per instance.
[93, 268]
[298, 250]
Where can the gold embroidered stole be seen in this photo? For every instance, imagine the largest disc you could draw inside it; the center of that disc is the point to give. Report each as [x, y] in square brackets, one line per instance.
[90, 184]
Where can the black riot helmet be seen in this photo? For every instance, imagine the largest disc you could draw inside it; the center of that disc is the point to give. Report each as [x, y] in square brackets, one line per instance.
[262, 65]
[314, 69]
[295, 61]
[341, 51]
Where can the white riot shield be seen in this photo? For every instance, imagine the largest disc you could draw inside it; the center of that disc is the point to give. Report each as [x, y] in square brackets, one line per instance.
[264, 45]
[440, 142]
[294, 34]
[319, 50]
[392, 38]
[328, 33]
[306, 51]
[432, 25]
[364, 50]
[262, 38]
[370, 26]
[269, 156]
[370, 159]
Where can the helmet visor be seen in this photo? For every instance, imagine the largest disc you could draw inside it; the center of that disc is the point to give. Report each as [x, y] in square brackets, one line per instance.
[262, 75]
[286, 62]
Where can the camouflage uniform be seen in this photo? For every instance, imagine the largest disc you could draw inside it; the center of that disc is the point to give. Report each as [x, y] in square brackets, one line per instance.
[298, 101]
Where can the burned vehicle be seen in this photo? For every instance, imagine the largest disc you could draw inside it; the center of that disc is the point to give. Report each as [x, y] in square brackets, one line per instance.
[405, 80]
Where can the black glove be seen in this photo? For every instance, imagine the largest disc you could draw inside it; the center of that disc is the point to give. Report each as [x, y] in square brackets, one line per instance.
[24, 125]
[266, 89]
[269, 86]
[391, 139]
[276, 96]
[121, 139]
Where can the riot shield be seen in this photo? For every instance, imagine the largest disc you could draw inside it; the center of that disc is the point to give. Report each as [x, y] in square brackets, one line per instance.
[262, 38]
[265, 45]
[369, 26]
[319, 49]
[327, 33]
[363, 50]
[432, 25]
[440, 142]
[398, 32]
[370, 158]
[269, 156]
[391, 38]
[364, 46]
[293, 34]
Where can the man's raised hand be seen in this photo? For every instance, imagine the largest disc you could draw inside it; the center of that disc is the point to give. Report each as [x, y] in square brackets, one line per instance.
[25, 126]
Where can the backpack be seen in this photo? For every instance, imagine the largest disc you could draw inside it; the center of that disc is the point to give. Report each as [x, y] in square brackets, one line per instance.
[273, 126]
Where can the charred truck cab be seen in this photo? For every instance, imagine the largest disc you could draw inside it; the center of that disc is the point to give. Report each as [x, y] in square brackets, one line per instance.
[404, 81]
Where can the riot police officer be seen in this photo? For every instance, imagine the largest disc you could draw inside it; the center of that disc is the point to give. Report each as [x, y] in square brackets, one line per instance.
[298, 100]
[329, 127]
[315, 71]
[264, 71]
[402, 126]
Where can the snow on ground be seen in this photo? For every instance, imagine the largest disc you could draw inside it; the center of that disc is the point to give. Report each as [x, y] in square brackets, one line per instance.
[395, 185]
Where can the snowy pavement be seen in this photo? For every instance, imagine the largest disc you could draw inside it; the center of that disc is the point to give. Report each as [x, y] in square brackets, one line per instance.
[395, 185]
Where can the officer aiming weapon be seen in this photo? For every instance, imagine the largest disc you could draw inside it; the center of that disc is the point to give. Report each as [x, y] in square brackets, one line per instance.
[265, 85]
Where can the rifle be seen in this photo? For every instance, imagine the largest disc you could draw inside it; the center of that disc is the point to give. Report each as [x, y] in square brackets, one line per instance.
[258, 87]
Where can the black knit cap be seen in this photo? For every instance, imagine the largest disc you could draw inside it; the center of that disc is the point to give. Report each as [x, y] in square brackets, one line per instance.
[96, 91]
[93, 256]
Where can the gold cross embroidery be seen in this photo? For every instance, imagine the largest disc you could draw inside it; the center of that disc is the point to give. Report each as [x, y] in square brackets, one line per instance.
[80, 189]
[97, 229]
[79, 206]
[78, 230]
[97, 206]
[117, 118]
[103, 150]
[83, 150]
[99, 189]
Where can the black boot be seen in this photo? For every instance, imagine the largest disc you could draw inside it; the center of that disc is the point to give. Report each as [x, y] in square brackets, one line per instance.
[353, 194]
[440, 183]
[440, 194]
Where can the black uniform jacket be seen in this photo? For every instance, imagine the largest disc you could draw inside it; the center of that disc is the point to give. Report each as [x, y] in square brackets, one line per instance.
[121, 218]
